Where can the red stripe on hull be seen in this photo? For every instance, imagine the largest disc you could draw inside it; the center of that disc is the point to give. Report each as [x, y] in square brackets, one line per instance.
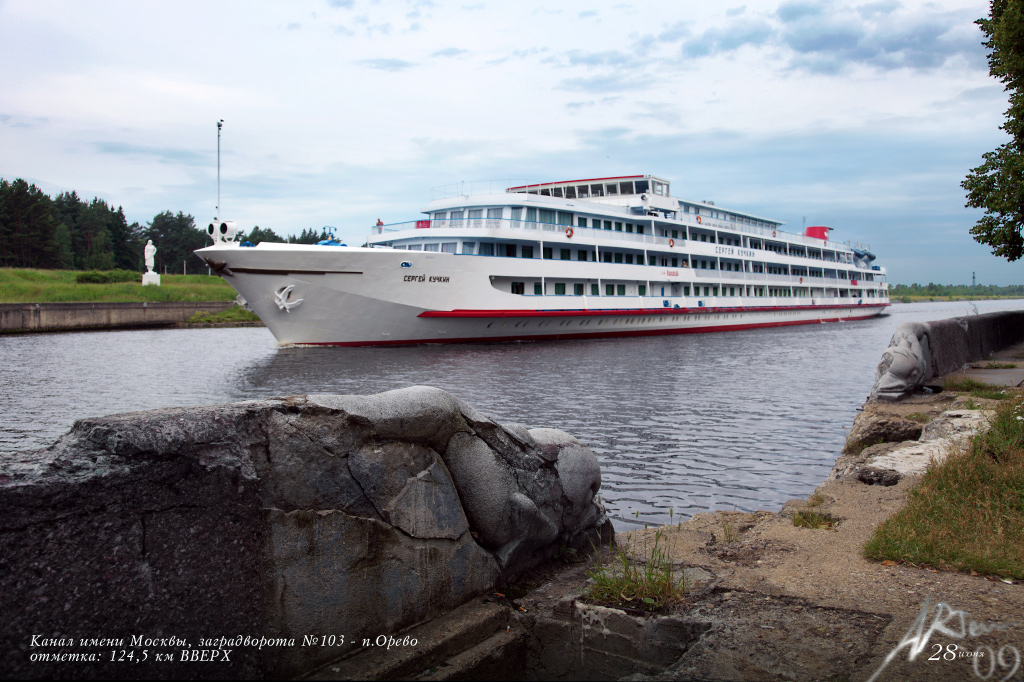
[607, 312]
[590, 335]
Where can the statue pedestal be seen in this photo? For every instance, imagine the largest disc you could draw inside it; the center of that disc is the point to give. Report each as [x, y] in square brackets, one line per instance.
[150, 278]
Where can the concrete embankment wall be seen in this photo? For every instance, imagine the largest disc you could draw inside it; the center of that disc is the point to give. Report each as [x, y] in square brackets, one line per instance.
[921, 351]
[960, 340]
[45, 317]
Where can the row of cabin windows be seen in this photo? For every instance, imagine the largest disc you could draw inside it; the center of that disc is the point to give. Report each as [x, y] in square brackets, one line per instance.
[509, 250]
[617, 226]
[620, 290]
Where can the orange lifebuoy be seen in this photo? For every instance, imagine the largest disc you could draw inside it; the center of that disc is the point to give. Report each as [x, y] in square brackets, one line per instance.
[773, 233]
[568, 232]
[698, 220]
[671, 242]
[801, 280]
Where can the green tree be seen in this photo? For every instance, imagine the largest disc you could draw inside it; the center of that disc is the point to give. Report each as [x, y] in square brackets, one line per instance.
[997, 185]
[176, 237]
[27, 226]
[259, 234]
[309, 236]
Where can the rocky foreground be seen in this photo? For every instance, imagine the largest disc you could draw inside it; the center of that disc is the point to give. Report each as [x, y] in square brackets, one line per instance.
[230, 534]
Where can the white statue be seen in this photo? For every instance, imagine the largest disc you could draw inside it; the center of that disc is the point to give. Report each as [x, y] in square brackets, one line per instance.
[150, 253]
[149, 277]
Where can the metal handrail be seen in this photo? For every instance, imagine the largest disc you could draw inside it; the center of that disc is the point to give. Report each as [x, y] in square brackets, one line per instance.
[511, 224]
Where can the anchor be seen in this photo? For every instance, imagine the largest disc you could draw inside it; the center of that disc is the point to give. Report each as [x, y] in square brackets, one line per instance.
[281, 297]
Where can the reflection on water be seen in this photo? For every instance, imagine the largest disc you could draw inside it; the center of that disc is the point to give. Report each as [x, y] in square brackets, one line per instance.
[689, 423]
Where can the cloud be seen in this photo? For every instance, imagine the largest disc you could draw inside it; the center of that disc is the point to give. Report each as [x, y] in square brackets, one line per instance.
[612, 82]
[921, 42]
[293, 26]
[740, 33]
[449, 52]
[343, 4]
[612, 58]
[829, 38]
[676, 31]
[794, 11]
[22, 121]
[587, 14]
[160, 154]
[386, 64]
[736, 11]
[873, 9]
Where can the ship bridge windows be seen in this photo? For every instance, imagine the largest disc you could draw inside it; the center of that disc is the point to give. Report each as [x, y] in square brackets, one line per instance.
[455, 215]
[611, 189]
[546, 216]
[596, 191]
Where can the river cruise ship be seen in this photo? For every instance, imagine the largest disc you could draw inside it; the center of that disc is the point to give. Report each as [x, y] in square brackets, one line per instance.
[600, 257]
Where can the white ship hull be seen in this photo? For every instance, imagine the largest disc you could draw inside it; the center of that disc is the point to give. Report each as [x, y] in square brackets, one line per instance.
[348, 296]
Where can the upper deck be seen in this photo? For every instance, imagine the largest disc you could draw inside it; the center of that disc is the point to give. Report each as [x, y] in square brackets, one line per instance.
[630, 207]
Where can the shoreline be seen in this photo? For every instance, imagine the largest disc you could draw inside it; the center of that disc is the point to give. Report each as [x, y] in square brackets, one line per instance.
[27, 318]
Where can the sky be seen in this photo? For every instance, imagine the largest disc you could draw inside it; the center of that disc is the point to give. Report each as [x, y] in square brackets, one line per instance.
[864, 116]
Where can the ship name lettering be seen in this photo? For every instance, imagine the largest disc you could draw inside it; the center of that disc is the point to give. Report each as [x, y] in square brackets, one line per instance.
[438, 278]
[415, 278]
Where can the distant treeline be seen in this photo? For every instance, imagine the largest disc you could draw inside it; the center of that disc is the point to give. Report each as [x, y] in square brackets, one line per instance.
[964, 290]
[69, 233]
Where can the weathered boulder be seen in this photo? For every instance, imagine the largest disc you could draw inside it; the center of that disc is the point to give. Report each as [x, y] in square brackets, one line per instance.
[351, 516]
[871, 428]
[888, 463]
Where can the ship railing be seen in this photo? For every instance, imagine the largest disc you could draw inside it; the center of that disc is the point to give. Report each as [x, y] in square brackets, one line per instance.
[772, 278]
[765, 232]
[510, 224]
[475, 187]
[554, 229]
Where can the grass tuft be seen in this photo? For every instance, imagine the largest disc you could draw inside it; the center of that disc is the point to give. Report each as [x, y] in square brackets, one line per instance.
[1001, 365]
[649, 584]
[235, 313]
[814, 519]
[966, 513]
[975, 388]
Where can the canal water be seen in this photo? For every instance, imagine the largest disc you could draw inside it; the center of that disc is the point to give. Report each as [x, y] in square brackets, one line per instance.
[681, 424]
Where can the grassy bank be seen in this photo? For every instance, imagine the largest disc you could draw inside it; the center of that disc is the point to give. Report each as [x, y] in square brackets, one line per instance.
[232, 315]
[62, 286]
[927, 299]
[968, 512]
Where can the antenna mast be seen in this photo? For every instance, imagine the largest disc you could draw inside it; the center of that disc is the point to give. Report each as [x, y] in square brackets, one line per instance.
[220, 124]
